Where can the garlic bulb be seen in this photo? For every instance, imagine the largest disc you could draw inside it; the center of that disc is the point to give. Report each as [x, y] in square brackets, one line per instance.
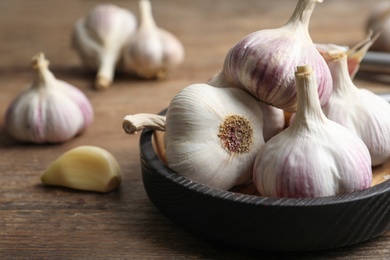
[314, 157]
[152, 52]
[360, 110]
[212, 135]
[99, 38]
[273, 120]
[49, 111]
[379, 21]
[263, 63]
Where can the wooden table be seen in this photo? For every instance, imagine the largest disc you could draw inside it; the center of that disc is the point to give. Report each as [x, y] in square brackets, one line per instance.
[38, 222]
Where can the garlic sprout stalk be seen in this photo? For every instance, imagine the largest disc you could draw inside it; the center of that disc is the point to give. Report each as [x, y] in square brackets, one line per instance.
[263, 63]
[132, 124]
[314, 157]
[360, 110]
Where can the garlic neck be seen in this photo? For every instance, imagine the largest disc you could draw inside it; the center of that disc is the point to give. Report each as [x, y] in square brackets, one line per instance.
[302, 13]
[105, 73]
[147, 19]
[309, 108]
[43, 75]
[342, 81]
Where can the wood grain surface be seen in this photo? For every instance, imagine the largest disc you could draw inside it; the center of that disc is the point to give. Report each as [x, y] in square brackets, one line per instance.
[37, 222]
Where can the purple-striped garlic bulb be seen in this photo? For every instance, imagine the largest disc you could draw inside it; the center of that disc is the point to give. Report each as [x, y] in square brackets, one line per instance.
[358, 109]
[313, 157]
[100, 37]
[264, 62]
[49, 110]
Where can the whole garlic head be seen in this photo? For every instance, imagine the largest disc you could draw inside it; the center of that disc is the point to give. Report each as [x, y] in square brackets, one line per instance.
[360, 110]
[314, 157]
[263, 62]
[49, 111]
[152, 52]
[99, 38]
[213, 134]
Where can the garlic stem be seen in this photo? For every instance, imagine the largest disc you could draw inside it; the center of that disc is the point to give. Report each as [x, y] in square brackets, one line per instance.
[343, 81]
[135, 123]
[146, 14]
[40, 64]
[302, 12]
[106, 70]
[309, 109]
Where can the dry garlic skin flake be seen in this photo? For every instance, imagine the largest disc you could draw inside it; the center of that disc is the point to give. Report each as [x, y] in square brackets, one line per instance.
[213, 134]
[315, 156]
[263, 63]
[360, 110]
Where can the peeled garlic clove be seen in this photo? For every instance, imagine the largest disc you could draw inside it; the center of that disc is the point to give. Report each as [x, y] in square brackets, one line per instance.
[379, 21]
[100, 37]
[89, 168]
[49, 111]
[314, 157]
[360, 110]
[152, 52]
[263, 63]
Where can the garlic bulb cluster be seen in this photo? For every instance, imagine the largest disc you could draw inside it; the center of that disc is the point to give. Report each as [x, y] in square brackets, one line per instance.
[212, 135]
[313, 157]
[360, 110]
[100, 37]
[263, 63]
[379, 21]
[49, 111]
[152, 52]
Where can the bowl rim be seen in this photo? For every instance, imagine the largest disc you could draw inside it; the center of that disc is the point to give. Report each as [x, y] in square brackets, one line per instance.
[149, 154]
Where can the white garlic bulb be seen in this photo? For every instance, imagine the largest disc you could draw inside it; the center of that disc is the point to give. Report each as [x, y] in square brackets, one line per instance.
[360, 110]
[314, 157]
[273, 120]
[49, 111]
[379, 21]
[263, 63]
[212, 135]
[99, 38]
[152, 52]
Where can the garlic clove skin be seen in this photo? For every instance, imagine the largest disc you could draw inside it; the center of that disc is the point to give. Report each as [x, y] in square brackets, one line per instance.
[89, 168]
[360, 110]
[152, 52]
[314, 157]
[213, 134]
[99, 38]
[263, 62]
[49, 111]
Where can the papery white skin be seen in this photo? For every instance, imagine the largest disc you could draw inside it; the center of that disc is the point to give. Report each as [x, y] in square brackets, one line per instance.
[152, 51]
[360, 110]
[379, 21]
[100, 37]
[263, 62]
[192, 145]
[49, 110]
[314, 157]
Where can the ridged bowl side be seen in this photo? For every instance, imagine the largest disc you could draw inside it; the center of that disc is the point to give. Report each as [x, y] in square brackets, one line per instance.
[264, 223]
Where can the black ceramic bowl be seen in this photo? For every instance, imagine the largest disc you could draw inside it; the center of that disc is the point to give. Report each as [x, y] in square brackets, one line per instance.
[260, 222]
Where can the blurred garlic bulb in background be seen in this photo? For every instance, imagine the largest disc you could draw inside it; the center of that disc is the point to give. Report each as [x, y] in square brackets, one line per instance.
[152, 52]
[314, 156]
[99, 38]
[49, 111]
[379, 21]
[360, 110]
